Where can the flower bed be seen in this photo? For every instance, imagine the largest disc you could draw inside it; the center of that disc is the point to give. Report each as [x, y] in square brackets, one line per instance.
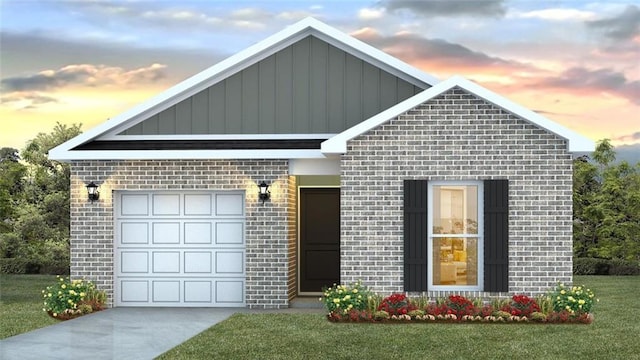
[68, 299]
[562, 305]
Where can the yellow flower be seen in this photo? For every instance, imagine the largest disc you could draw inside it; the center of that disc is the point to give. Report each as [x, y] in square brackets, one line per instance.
[562, 292]
[568, 307]
[49, 295]
[82, 294]
[355, 291]
[349, 307]
[347, 297]
[55, 314]
[336, 300]
[581, 302]
[64, 286]
[570, 298]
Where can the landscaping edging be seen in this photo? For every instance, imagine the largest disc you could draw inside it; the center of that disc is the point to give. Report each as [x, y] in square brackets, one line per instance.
[366, 317]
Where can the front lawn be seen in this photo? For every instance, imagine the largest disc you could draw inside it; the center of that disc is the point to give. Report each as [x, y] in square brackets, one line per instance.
[613, 335]
[21, 303]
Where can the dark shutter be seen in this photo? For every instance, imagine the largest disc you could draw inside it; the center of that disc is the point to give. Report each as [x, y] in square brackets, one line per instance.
[415, 235]
[496, 235]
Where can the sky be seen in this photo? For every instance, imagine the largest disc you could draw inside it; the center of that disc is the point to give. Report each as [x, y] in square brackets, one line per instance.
[575, 62]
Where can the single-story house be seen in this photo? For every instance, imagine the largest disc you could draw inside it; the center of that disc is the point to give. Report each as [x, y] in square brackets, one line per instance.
[371, 169]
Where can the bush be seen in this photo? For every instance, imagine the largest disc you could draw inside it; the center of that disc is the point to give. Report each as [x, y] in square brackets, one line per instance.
[577, 299]
[343, 298]
[590, 266]
[597, 266]
[66, 298]
[13, 266]
[623, 267]
[397, 304]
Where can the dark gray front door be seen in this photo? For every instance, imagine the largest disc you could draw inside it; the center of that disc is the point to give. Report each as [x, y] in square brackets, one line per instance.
[319, 238]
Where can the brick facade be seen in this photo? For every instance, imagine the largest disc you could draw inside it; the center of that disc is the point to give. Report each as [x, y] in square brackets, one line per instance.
[267, 234]
[457, 136]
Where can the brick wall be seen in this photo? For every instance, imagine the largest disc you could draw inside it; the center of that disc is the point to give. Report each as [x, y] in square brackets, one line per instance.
[457, 136]
[267, 235]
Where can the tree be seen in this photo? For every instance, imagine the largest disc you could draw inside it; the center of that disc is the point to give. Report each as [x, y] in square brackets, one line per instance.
[606, 206]
[34, 204]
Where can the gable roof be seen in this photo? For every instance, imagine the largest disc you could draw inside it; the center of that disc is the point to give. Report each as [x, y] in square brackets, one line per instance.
[576, 142]
[223, 70]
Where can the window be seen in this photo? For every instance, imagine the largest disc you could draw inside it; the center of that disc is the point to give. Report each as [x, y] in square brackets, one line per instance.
[455, 241]
[456, 235]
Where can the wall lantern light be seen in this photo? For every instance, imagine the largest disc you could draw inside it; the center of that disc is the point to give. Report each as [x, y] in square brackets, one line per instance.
[92, 192]
[264, 193]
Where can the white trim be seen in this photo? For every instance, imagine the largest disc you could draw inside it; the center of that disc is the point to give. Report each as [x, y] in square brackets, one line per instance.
[237, 62]
[183, 154]
[218, 137]
[338, 143]
[308, 293]
[328, 166]
[479, 236]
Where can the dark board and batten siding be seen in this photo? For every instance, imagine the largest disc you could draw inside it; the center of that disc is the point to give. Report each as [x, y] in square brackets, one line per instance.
[308, 87]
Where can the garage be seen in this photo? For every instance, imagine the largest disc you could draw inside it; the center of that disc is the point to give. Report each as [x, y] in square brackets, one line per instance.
[179, 249]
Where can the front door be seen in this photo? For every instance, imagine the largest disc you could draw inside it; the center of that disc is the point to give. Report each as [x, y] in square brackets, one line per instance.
[319, 238]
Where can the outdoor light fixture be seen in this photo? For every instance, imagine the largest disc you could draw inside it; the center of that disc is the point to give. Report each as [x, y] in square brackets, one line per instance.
[92, 191]
[264, 192]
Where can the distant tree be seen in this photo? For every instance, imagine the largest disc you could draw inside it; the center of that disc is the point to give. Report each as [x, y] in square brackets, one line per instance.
[34, 204]
[606, 206]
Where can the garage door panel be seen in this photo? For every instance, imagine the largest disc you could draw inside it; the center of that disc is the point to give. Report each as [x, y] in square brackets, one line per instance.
[197, 233]
[166, 262]
[198, 291]
[166, 204]
[198, 205]
[134, 205]
[229, 205]
[229, 262]
[166, 232]
[230, 233]
[167, 291]
[229, 292]
[198, 262]
[134, 233]
[134, 291]
[134, 262]
[180, 248]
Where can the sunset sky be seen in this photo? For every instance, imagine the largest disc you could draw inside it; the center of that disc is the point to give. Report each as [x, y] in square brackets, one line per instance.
[575, 62]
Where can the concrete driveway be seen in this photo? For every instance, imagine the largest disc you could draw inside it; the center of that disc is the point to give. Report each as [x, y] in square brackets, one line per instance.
[118, 333]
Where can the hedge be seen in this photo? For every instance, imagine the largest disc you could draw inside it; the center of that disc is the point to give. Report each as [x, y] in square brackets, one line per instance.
[597, 266]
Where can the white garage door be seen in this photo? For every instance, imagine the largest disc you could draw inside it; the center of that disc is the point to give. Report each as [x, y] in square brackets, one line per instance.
[179, 249]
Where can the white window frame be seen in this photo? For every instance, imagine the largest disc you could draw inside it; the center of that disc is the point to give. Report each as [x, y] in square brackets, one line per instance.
[479, 236]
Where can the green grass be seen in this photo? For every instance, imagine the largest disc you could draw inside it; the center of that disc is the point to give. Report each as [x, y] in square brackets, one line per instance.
[21, 303]
[613, 335]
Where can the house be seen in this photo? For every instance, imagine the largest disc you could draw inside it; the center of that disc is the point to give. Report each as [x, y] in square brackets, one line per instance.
[376, 171]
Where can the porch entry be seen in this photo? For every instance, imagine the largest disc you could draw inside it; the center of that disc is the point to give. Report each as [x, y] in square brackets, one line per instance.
[319, 238]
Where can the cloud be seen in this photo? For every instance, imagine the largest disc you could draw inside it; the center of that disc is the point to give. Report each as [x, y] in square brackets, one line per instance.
[82, 74]
[584, 81]
[622, 27]
[431, 8]
[633, 137]
[27, 100]
[556, 15]
[440, 54]
[370, 14]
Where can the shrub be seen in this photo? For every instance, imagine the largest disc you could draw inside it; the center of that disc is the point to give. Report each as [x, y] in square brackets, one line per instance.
[522, 305]
[66, 297]
[460, 306]
[396, 304]
[623, 267]
[380, 315]
[546, 304]
[343, 298]
[538, 317]
[590, 266]
[573, 300]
